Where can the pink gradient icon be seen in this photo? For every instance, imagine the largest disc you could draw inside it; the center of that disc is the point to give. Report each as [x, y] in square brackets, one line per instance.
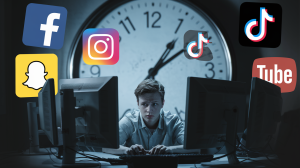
[101, 46]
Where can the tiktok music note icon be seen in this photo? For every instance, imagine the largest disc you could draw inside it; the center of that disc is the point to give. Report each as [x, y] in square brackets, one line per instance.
[264, 17]
[195, 45]
[192, 44]
[258, 27]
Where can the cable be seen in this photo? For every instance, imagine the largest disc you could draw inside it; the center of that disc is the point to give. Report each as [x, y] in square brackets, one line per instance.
[270, 160]
[268, 157]
[244, 160]
[54, 154]
[50, 155]
[245, 148]
[237, 138]
[88, 148]
[261, 151]
[219, 149]
[80, 149]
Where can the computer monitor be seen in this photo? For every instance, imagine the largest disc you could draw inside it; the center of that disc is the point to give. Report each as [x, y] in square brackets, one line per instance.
[93, 103]
[213, 109]
[264, 113]
[97, 116]
[47, 111]
[47, 114]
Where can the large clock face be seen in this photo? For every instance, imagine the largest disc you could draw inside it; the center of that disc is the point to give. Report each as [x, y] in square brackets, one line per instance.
[145, 28]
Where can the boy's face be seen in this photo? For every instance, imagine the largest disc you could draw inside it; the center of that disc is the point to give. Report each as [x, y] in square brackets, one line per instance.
[150, 105]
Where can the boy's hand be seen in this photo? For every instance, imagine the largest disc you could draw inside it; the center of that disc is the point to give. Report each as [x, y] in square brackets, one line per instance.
[135, 150]
[159, 149]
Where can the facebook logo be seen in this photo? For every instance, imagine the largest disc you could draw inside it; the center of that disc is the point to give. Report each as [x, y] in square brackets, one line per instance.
[44, 26]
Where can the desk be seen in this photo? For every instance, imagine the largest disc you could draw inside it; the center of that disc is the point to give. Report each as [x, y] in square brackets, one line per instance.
[46, 161]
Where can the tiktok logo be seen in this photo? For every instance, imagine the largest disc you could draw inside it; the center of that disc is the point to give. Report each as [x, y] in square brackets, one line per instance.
[254, 33]
[202, 52]
[264, 17]
[192, 44]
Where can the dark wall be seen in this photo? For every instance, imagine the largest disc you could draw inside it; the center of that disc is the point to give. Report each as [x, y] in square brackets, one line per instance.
[2, 65]
[13, 124]
[6, 80]
[2, 68]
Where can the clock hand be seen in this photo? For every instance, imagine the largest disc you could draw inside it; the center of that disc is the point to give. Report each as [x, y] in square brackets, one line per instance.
[171, 58]
[152, 71]
[155, 69]
[170, 46]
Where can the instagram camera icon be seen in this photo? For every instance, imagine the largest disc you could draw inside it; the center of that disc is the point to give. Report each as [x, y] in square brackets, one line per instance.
[100, 46]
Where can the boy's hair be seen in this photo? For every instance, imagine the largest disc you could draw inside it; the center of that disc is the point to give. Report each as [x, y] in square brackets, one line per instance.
[150, 86]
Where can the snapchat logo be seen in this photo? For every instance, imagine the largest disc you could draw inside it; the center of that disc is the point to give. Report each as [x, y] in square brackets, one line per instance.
[36, 75]
[32, 71]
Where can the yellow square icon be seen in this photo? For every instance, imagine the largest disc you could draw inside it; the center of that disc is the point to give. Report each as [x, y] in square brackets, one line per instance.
[32, 71]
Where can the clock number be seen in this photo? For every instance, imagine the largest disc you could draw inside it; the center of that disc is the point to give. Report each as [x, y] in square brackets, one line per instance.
[97, 72]
[159, 15]
[181, 20]
[127, 18]
[153, 24]
[147, 13]
[211, 69]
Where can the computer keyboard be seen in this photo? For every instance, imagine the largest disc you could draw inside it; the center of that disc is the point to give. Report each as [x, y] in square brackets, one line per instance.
[164, 160]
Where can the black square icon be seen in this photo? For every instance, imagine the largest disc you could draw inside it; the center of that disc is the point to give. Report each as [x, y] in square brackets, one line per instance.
[260, 24]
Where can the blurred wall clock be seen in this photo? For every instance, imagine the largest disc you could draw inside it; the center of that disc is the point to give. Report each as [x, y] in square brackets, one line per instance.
[147, 29]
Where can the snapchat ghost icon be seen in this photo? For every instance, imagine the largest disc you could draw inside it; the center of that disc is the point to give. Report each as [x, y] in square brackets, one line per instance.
[32, 71]
[36, 75]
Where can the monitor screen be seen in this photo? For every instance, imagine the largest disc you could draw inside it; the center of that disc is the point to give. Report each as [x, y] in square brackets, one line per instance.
[209, 104]
[264, 112]
[97, 117]
[47, 111]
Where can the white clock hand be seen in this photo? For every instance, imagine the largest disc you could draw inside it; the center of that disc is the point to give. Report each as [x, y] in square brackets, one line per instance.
[153, 71]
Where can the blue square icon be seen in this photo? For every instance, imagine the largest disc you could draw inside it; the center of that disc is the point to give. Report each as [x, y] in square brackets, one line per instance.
[44, 26]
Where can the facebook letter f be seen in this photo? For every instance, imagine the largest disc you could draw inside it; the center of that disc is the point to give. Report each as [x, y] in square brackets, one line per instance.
[44, 26]
[49, 27]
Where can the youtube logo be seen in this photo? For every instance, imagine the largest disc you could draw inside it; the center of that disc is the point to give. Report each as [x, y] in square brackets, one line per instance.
[280, 71]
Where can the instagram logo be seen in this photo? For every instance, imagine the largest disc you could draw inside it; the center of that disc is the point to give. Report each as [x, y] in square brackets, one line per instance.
[100, 46]
[280, 71]
[258, 27]
[192, 44]
[264, 17]
[202, 52]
